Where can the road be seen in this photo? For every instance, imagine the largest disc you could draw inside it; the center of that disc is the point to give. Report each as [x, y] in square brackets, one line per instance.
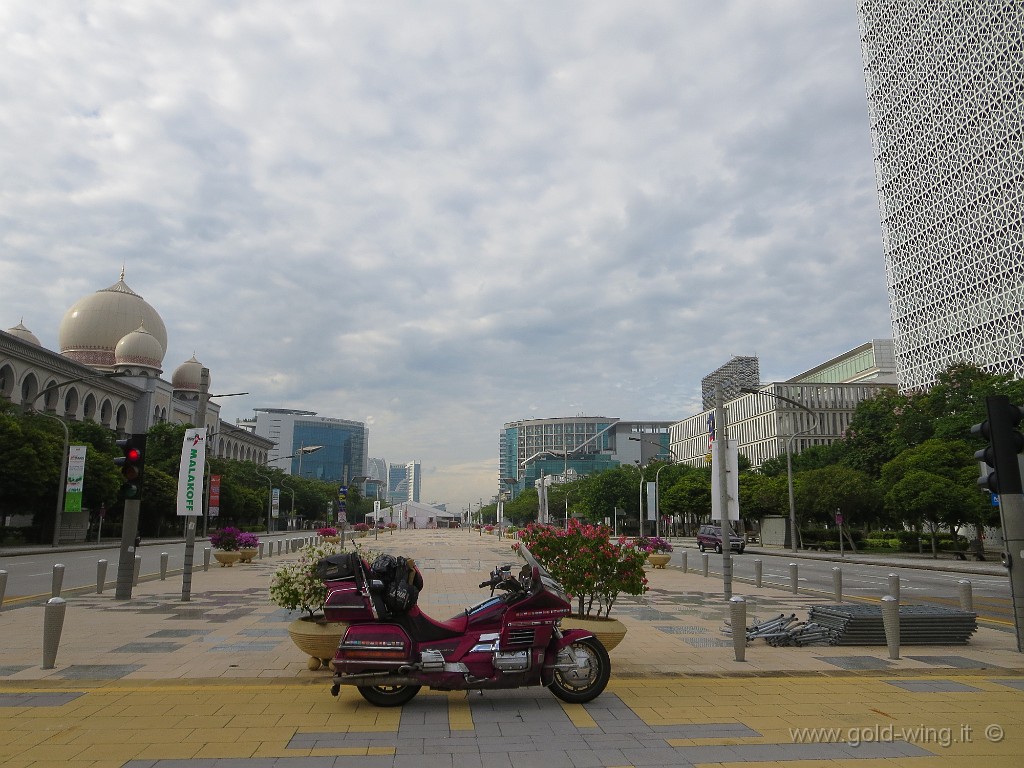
[917, 585]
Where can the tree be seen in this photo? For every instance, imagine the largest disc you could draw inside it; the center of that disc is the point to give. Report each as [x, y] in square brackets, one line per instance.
[821, 493]
[925, 496]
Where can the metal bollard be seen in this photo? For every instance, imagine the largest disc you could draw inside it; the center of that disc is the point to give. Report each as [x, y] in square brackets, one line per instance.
[206, 558]
[57, 581]
[163, 566]
[3, 587]
[758, 565]
[101, 576]
[684, 554]
[894, 586]
[837, 584]
[278, 546]
[53, 625]
[738, 622]
[135, 573]
[891, 624]
[704, 563]
[964, 587]
[260, 556]
[793, 579]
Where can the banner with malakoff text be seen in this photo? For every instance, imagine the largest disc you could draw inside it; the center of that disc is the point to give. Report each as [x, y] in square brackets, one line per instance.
[76, 479]
[192, 471]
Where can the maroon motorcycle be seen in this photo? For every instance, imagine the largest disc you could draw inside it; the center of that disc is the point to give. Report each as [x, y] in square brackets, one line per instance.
[392, 649]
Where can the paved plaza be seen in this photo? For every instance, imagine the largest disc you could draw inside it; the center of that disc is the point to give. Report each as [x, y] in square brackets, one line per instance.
[216, 681]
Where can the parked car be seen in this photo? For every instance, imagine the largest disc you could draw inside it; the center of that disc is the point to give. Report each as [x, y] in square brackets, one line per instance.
[710, 536]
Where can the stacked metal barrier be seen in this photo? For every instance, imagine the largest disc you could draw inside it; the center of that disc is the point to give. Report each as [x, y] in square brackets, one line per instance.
[857, 624]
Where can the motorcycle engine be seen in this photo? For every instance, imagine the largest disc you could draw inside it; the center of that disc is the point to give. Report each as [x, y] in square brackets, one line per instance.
[511, 661]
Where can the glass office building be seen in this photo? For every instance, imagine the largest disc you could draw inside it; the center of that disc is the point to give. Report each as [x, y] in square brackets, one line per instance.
[313, 446]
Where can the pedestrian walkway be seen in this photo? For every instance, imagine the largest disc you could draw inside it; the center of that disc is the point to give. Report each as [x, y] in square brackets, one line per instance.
[214, 680]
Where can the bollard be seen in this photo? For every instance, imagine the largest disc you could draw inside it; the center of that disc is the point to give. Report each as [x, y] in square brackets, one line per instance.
[738, 622]
[684, 553]
[793, 580]
[135, 573]
[891, 624]
[101, 576]
[964, 586]
[53, 624]
[837, 584]
[3, 587]
[278, 546]
[206, 558]
[894, 586]
[704, 563]
[260, 556]
[57, 581]
[163, 566]
[757, 573]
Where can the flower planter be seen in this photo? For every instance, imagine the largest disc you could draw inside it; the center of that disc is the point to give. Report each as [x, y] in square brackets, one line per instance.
[317, 638]
[332, 539]
[226, 558]
[609, 631]
[659, 559]
[246, 554]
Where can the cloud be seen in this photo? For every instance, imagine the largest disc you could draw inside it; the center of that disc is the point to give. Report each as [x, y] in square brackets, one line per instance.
[447, 216]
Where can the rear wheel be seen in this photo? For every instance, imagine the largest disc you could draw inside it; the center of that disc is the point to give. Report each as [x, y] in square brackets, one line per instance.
[388, 695]
[718, 549]
[700, 545]
[588, 678]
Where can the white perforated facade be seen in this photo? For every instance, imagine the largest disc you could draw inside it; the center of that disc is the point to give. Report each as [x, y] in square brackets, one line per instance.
[945, 93]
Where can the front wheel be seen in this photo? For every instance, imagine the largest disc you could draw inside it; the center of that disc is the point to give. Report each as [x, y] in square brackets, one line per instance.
[388, 695]
[589, 674]
[700, 545]
[718, 549]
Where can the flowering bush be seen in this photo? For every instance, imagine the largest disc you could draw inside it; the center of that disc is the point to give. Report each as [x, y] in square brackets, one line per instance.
[653, 544]
[327, 531]
[247, 540]
[225, 539]
[489, 528]
[295, 585]
[360, 527]
[588, 564]
[392, 526]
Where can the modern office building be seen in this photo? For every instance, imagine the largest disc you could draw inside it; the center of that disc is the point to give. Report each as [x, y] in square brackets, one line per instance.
[309, 445]
[566, 448]
[944, 83]
[404, 482]
[738, 372]
[765, 425]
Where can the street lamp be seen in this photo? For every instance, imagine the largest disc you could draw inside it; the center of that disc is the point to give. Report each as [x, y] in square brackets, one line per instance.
[67, 439]
[270, 498]
[657, 488]
[793, 533]
[303, 450]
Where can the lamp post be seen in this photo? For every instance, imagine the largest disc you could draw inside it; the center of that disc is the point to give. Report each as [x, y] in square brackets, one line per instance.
[793, 532]
[657, 488]
[303, 450]
[67, 439]
[270, 498]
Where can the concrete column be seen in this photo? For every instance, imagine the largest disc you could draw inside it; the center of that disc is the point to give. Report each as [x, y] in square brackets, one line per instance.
[794, 579]
[966, 595]
[57, 581]
[891, 624]
[163, 565]
[101, 576]
[738, 620]
[704, 563]
[206, 559]
[758, 566]
[894, 586]
[53, 625]
[684, 554]
[837, 584]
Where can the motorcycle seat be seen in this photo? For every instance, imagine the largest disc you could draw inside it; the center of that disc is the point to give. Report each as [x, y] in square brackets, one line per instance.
[422, 628]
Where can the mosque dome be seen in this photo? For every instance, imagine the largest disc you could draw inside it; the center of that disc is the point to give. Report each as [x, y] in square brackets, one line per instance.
[138, 349]
[94, 325]
[187, 376]
[24, 334]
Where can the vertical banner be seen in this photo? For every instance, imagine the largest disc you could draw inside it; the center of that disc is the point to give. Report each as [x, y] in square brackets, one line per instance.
[191, 472]
[214, 495]
[76, 479]
[275, 504]
[732, 483]
[652, 501]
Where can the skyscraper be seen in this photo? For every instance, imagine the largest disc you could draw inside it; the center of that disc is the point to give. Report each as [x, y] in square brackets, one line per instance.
[944, 80]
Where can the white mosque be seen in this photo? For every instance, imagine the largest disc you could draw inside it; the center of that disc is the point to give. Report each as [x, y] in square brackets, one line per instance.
[114, 331]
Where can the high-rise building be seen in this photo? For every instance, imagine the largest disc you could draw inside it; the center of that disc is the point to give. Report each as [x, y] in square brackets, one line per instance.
[944, 82]
[314, 446]
[404, 482]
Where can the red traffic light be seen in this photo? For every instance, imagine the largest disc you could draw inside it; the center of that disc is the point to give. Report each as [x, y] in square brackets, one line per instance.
[133, 454]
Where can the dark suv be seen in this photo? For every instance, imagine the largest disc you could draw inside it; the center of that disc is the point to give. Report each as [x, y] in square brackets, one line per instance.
[710, 536]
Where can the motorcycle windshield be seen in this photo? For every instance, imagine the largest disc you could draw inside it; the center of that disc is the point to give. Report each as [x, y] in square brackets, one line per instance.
[546, 580]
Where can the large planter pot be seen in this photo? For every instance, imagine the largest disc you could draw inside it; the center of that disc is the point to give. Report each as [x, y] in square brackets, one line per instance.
[246, 554]
[317, 638]
[332, 539]
[659, 559]
[609, 631]
[226, 559]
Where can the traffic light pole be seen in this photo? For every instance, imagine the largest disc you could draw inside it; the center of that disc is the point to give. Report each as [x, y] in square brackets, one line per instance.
[126, 562]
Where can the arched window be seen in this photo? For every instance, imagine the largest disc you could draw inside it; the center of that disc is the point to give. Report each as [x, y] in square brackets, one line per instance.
[71, 403]
[29, 389]
[89, 409]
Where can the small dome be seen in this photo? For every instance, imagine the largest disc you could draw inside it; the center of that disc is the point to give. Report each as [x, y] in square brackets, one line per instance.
[139, 348]
[24, 334]
[188, 376]
[95, 324]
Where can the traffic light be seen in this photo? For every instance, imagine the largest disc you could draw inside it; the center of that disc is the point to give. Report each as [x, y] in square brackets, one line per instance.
[1002, 453]
[132, 465]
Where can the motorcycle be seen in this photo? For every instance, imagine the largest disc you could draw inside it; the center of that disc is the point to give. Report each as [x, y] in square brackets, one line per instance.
[392, 649]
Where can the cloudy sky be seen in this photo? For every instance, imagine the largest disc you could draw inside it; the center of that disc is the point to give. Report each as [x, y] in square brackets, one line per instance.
[437, 217]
